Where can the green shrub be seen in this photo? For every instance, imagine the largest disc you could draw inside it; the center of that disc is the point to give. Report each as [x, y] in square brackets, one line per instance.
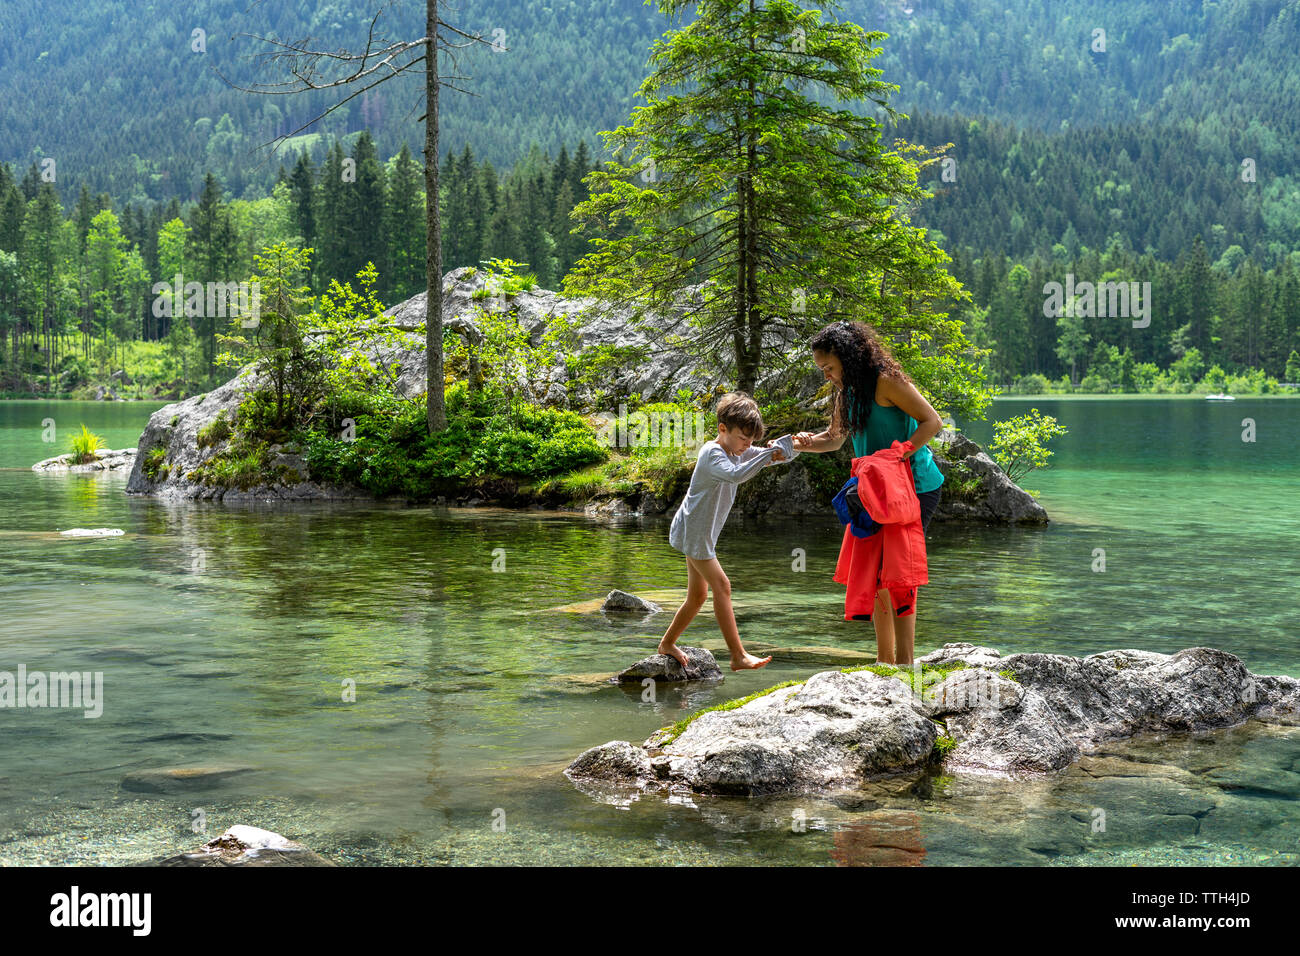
[393, 453]
[944, 745]
[1032, 384]
[960, 482]
[73, 372]
[1019, 444]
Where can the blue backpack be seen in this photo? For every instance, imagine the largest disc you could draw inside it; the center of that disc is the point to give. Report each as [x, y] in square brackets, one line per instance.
[848, 506]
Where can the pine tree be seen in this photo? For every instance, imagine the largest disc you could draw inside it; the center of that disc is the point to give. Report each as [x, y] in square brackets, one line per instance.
[1196, 286]
[302, 183]
[405, 228]
[775, 198]
[363, 216]
[214, 257]
[41, 259]
[12, 210]
[332, 207]
[454, 214]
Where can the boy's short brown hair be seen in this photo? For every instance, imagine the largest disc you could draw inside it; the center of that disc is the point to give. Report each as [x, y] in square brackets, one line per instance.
[738, 410]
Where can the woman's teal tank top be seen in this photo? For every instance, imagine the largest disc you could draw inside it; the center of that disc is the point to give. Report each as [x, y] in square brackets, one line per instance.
[887, 424]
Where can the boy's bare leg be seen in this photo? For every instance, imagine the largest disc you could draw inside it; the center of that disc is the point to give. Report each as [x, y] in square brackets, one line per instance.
[720, 584]
[882, 617]
[697, 589]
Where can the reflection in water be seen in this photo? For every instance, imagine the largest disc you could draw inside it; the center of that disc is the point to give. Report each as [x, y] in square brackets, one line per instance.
[888, 839]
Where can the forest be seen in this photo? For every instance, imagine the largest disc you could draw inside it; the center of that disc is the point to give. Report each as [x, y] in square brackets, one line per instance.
[1154, 151]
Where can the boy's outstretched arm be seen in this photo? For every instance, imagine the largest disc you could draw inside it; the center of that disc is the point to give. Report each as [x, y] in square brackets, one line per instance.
[720, 467]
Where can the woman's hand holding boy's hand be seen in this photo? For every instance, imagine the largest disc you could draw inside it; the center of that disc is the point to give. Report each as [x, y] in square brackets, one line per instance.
[784, 449]
[803, 440]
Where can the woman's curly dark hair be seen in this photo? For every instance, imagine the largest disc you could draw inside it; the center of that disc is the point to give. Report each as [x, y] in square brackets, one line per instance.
[864, 358]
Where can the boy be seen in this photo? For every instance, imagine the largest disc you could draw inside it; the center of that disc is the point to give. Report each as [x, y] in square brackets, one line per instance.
[721, 466]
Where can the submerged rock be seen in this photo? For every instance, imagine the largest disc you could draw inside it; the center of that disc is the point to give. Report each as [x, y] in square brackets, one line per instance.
[620, 602]
[837, 730]
[662, 667]
[247, 846]
[180, 779]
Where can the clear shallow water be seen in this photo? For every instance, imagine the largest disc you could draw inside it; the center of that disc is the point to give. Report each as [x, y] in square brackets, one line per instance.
[225, 635]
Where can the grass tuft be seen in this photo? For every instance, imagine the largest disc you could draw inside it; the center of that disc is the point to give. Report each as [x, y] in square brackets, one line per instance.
[85, 446]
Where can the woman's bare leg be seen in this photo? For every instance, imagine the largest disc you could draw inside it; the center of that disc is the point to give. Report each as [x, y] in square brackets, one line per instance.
[697, 589]
[720, 585]
[904, 638]
[894, 634]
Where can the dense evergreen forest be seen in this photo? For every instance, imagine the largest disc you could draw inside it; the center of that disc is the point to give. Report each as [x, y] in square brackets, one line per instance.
[75, 290]
[573, 67]
[1136, 141]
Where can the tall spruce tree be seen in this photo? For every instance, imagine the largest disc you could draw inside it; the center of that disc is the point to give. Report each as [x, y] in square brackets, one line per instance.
[302, 191]
[790, 210]
[404, 218]
[332, 205]
[363, 216]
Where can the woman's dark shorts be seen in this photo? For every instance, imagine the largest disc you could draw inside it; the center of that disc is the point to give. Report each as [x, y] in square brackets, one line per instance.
[929, 502]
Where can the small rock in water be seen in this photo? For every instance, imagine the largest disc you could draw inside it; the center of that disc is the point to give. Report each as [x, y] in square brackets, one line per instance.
[247, 846]
[661, 667]
[92, 532]
[620, 602]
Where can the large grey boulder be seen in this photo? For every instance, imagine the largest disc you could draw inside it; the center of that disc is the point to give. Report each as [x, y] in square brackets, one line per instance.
[832, 731]
[399, 357]
[1059, 706]
[839, 729]
[175, 428]
[660, 370]
[996, 499]
[783, 489]
[971, 654]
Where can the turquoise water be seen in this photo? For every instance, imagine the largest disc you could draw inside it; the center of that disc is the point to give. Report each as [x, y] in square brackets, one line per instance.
[226, 634]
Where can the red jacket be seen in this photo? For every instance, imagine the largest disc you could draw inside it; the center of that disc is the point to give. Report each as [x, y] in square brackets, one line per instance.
[894, 557]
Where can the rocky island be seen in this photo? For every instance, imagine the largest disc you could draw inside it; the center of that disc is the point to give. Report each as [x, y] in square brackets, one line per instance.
[971, 711]
[183, 441]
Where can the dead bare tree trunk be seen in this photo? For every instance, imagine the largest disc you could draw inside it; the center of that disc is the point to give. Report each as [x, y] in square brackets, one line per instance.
[436, 405]
[366, 70]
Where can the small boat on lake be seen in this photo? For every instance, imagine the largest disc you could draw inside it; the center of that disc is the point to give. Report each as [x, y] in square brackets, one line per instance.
[1220, 397]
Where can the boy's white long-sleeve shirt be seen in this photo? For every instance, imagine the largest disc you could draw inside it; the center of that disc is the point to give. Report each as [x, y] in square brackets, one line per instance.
[704, 510]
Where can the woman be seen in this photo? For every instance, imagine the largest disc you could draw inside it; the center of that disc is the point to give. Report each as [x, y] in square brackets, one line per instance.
[876, 403]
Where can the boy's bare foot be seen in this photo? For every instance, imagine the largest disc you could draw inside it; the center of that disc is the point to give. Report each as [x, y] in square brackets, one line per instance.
[672, 650]
[749, 663]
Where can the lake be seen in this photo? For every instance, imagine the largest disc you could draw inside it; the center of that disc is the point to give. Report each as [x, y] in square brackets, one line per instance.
[231, 637]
